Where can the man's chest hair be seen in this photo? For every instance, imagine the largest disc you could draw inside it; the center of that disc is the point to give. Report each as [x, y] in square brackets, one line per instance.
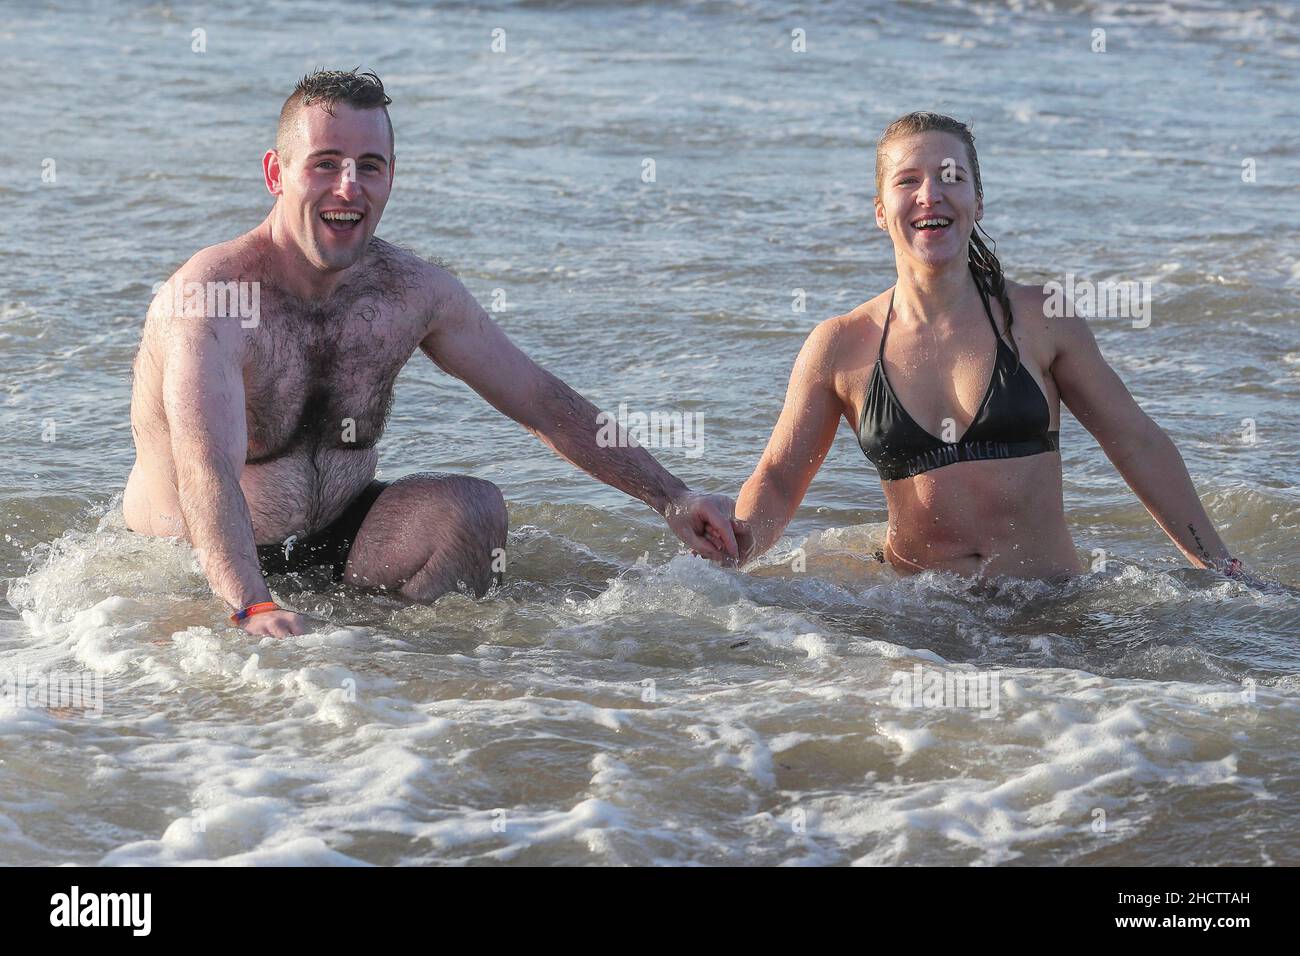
[321, 375]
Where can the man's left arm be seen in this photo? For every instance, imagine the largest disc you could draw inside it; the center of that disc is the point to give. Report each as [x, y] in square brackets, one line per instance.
[464, 342]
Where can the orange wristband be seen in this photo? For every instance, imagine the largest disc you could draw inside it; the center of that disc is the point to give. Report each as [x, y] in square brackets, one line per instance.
[246, 613]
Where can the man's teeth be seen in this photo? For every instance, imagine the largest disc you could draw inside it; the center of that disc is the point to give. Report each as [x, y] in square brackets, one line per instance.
[927, 223]
[341, 216]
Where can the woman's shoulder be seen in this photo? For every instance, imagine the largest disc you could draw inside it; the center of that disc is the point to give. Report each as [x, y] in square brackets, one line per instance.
[1032, 327]
[860, 326]
[839, 349]
[1027, 298]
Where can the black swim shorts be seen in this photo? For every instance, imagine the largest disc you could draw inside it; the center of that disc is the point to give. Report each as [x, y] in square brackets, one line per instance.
[328, 546]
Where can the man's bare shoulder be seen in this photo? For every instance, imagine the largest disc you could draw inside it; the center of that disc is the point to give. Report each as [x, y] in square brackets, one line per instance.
[232, 260]
[423, 282]
[204, 295]
[439, 292]
[390, 258]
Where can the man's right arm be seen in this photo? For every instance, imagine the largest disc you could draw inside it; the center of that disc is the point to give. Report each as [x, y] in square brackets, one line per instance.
[203, 397]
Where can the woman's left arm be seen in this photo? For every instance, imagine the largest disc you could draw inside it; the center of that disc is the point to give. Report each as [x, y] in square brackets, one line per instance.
[1138, 448]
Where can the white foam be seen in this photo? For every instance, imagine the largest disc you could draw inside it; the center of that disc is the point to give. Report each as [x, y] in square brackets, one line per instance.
[353, 745]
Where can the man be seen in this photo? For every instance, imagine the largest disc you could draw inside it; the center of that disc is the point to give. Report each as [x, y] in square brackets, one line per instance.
[255, 433]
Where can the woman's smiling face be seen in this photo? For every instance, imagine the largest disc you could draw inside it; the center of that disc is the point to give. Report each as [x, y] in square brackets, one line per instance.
[926, 197]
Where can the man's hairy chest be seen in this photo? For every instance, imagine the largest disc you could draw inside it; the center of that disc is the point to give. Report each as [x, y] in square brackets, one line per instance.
[323, 379]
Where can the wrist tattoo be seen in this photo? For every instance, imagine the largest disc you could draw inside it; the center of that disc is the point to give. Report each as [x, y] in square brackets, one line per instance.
[1199, 546]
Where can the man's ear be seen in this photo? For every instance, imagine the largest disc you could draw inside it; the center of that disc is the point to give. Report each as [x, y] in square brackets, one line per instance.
[271, 172]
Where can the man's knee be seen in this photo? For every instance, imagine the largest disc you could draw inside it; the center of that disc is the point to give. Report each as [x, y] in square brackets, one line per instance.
[483, 506]
[463, 527]
[472, 507]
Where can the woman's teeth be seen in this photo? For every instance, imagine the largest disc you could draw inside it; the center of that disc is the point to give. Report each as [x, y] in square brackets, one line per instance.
[936, 223]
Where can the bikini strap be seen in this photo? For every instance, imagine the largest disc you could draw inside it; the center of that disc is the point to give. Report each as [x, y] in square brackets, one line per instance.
[880, 354]
[984, 297]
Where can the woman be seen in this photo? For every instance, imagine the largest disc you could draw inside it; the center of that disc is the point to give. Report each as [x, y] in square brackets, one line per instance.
[952, 380]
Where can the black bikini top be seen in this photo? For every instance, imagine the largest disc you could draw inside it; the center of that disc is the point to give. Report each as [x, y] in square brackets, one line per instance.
[1012, 420]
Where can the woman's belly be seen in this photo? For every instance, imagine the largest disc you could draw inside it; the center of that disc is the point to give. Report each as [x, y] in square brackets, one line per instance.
[982, 519]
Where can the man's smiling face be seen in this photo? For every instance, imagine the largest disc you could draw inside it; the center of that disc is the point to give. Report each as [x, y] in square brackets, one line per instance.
[333, 175]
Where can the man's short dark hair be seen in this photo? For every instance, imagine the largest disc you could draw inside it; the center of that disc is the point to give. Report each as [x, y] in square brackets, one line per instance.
[324, 88]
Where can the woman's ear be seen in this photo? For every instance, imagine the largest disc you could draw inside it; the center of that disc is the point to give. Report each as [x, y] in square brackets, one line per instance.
[880, 215]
